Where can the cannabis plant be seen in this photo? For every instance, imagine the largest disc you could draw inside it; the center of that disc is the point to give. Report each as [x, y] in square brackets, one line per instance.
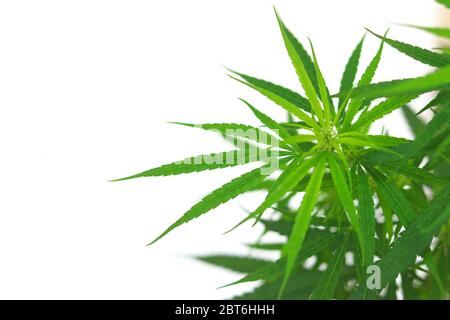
[374, 208]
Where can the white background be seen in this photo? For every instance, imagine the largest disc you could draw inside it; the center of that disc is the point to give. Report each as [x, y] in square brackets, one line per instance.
[86, 89]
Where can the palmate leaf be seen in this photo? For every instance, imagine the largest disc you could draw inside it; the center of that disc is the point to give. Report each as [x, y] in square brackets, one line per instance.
[206, 162]
[350, 70]
[275, 270]
[287, 94]
[303, 219]
[366, 215]
[235, 263]
[302, 73]
[440, 79]
[326, 286]
[423, 55]
[411, 242]
[228, 191]
[380, 110]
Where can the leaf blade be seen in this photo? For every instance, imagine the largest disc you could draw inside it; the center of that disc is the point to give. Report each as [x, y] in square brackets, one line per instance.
[346, 199]
[350, 70]
[301, 70]
[366, 215]
[203, 162]
[302, 220]
[420, 54]
[285, 93]
[400, 204]
[219, 196]
[439, 79]
[381, 110]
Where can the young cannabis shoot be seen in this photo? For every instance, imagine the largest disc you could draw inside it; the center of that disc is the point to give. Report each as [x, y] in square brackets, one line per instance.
[346, 175]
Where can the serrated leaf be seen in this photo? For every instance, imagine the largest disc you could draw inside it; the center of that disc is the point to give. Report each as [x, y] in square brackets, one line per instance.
[323, 90]
[302, 54]
[411, 242]
[396, 199]
[303, 219]
[380, 110]
[237, 130]
[302, 73]
[235, 263]
[371, 69]
[289, 179]
[326, 286]
[285, 93]
[356, 103]
[206, 162]
[268, 122]
[439, 79]
[219, 196]
[282, 102]
[417, 174]
[431, 58]
[366, 215]
[350, 71]
[374, 140]
[345, 196]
